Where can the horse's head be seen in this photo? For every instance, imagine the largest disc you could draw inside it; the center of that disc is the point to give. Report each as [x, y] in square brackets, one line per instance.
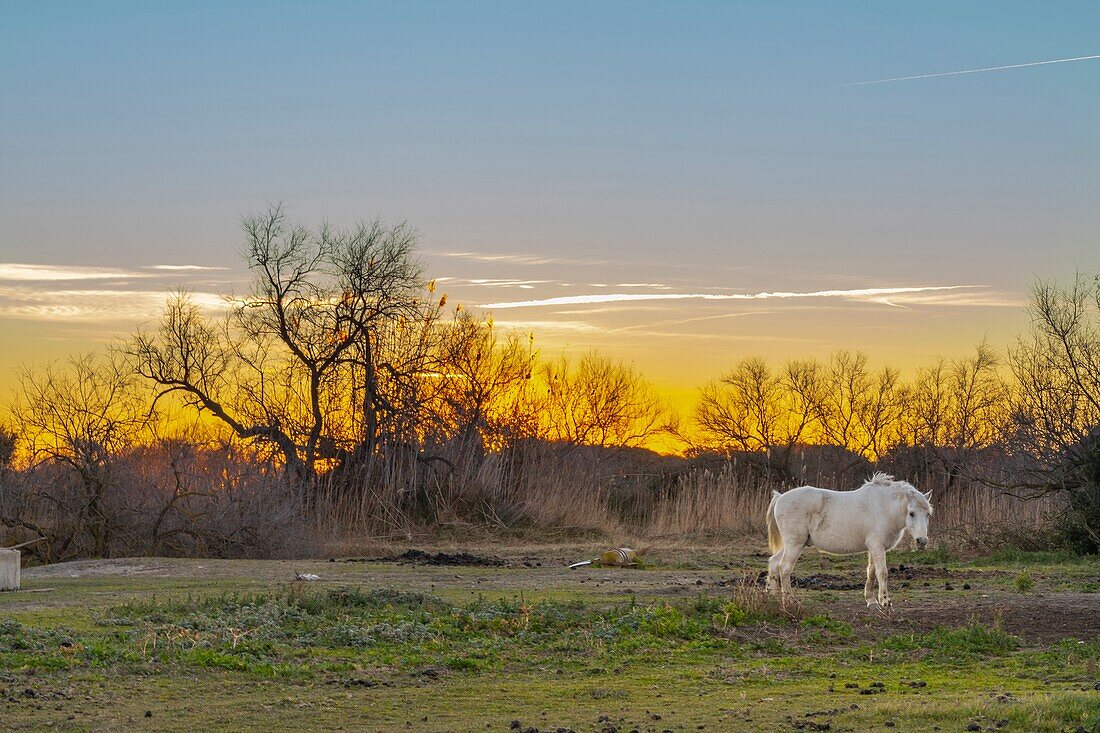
[920, 511]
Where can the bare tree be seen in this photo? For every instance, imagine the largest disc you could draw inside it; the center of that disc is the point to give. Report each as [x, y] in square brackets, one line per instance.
[980, 399]
[928, 417]
[600, 402]
[280, 366]
[859, 409]
[1057, 406]
[760, 412]
[76, 422]
[487, 378]
[8, 441]
[954, 412]
[743, 411]
[1057, 367]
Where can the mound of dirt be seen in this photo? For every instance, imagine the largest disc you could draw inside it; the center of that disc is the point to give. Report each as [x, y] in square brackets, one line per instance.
[419, 557]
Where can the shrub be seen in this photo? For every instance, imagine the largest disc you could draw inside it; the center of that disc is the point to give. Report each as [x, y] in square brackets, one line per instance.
[1079, 526]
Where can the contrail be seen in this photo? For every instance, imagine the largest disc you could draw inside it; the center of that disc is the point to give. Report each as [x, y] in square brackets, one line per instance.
[628, 297]
[973, 71]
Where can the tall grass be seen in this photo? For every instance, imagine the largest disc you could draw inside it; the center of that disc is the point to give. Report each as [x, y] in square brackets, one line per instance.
[561, 491]
[717, 501]
[706, 501]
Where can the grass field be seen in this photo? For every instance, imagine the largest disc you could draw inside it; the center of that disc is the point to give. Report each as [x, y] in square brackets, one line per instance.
[507, 639]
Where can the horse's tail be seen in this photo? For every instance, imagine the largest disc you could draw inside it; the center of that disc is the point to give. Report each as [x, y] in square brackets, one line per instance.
[775, 539]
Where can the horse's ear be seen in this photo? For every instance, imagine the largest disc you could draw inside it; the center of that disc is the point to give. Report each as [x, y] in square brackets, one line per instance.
[928, 496]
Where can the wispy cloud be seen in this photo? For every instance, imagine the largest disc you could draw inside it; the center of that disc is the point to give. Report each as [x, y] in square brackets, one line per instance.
[493, 282]
[872, 294]
[39, 273]
[543, 327]
[973, 71]
[185, 268]
[613, 308]
[977, 299]
[628, 335]
[516, 259]
[698, 319]
[108, 305]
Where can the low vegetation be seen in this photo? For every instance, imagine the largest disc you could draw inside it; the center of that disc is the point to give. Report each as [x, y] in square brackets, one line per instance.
[436, 648]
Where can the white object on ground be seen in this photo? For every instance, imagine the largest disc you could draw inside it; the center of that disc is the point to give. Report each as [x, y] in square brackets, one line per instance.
[9, 569]
[306, 576]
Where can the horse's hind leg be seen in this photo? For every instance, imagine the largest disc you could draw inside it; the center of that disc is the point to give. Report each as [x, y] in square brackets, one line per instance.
[773, 571]
[790, 552]
[870, 586]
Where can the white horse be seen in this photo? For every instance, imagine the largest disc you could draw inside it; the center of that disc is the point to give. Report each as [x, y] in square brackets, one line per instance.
[871, 519]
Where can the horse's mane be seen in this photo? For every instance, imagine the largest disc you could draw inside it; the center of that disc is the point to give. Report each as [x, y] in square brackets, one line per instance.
[884, 479]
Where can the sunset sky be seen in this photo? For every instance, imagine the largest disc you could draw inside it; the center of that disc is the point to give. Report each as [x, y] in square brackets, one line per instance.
[680, 185]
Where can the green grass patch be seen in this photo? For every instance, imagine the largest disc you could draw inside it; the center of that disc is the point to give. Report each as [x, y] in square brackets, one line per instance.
[972, 642]
[405, 630]
[935, 556]
[1036, 557]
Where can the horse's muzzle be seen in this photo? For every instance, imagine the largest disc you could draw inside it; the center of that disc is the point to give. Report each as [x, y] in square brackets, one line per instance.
[922, 542]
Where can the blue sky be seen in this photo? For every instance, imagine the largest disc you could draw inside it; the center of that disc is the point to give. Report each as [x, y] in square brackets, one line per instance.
[689, 147]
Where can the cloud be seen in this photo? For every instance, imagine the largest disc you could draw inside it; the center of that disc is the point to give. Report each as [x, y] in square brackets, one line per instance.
[973, 71]
[93, 305]
[184, 268]
[516, 259]
[871, 294]
[543, 327]
[697, 319]
[578, 330]
[493, 282]
[39, 273]
[979, 299]
[613, 308]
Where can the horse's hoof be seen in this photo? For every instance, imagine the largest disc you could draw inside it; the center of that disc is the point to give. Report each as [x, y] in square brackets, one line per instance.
[873, 606]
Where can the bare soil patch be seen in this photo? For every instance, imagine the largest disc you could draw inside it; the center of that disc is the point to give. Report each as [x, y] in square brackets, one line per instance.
[115, 568]
[1034, 618]
[420, 557]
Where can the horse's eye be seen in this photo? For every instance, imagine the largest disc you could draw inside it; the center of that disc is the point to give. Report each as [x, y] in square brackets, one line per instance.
[912, 514]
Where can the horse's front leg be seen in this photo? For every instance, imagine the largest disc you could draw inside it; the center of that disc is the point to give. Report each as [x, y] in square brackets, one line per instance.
[879, 556]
